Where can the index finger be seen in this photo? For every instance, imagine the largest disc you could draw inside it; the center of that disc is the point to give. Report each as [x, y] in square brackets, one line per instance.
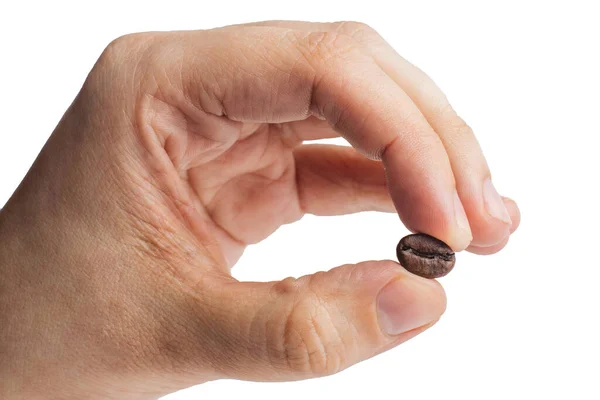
[276, 75]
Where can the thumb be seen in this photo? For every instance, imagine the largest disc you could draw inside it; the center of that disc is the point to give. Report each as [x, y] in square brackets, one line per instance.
[321, 324]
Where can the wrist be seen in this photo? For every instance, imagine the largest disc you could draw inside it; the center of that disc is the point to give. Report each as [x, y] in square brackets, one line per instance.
[34, 338]
[23, 362]
[61, 324]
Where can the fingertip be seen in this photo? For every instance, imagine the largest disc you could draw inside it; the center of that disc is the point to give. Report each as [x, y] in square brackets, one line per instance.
[484, 251]
[515, 216]
[463, 236]
[407, 336]
[514, 212]
[488, 218]
[409, 302]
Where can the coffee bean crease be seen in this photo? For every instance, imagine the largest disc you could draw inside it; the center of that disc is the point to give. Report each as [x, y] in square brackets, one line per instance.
[443, 256]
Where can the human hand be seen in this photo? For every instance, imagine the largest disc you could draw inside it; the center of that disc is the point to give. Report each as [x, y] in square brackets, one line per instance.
[183, 148]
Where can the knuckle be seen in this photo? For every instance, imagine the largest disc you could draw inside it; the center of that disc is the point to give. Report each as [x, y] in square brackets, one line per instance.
[357, 30]
[444, 110]
[326, 49]
[140, 59]
[125, 48]
[306, 348]
[331, 61]
[309, 343]
[135, 64]
[456, 126]
[285, 287]
[459, 128]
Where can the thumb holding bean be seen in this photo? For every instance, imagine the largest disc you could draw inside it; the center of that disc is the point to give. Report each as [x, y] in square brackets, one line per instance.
[322, 323]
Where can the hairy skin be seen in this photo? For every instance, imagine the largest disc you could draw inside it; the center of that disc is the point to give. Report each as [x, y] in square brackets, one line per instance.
[183, 148]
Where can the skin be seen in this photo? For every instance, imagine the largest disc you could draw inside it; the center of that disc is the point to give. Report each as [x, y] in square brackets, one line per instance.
[183, 148]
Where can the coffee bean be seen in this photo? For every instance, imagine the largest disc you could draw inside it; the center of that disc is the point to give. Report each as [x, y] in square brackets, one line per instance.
[425, 255]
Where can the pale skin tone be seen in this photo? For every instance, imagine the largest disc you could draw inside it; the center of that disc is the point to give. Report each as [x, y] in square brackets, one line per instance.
[182, 149]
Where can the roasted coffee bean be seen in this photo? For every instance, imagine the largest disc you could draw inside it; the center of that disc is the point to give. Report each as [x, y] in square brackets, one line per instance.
[425, 255]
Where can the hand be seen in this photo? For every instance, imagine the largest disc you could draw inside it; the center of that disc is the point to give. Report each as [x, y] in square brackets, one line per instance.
[183, 148]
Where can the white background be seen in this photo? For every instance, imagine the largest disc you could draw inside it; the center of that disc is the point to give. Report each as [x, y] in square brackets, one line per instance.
[521, 324]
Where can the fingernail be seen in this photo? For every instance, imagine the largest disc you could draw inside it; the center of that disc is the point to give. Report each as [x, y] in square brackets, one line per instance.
[406, 304]
[493, 202]
[463, 224]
